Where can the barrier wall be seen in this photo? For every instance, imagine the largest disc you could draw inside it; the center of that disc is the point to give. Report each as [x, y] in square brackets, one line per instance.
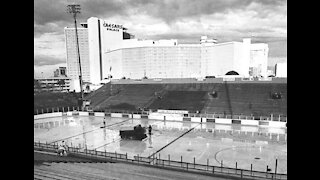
[211, 120]
[75, 113]
[195, 119]
[204, 119]
[263, 123]
[277, 124]
[261, 142]
[156, 117]
[48, 115]
[236, 121]
[249, 128]
[223, 127]
[227, 140]
[127, 115]
[174, 118]
[137, 116]
[250, 122]
[99, 114]
[83, 113]
[276, 127]
[276, 130]
[119, 115]
[223, 121]
[143, 116]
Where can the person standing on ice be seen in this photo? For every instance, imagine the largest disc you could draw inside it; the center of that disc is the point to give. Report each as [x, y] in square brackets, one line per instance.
[104, 122]
[150, 129]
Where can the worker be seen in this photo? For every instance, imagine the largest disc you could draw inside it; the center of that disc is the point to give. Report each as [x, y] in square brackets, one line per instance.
[150, 129]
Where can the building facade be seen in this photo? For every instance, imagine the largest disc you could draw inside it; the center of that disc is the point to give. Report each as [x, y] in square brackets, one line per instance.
[281, 69]
[107, 53]
[60, 72]
[72, 60]
[55, 84]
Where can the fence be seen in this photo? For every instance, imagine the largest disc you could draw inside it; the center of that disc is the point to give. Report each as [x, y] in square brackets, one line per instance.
[157, 161]
[203, 115]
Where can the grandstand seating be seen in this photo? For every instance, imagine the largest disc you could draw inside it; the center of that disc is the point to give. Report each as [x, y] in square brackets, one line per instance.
[138, 95]
[249, 98]
[232, 98]
[99, 95]
[180, 100]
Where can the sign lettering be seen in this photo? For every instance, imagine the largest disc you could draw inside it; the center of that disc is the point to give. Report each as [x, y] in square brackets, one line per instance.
[112, 27]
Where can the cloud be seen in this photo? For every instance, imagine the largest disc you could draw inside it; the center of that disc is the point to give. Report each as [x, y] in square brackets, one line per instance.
[278, 48]
[46, 11]
[171, 11]
[43, 60]
[54, 28]
[52, 11]
[50, 44]
[52, 16]
[272, 61]
[49, 11]
[46, 70]
[185, 20]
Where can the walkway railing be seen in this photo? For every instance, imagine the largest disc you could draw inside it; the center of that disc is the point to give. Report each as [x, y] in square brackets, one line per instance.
[157, 161]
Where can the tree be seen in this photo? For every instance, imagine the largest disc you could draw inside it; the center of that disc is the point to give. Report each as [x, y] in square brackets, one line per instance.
[36, 84]
[61, 83]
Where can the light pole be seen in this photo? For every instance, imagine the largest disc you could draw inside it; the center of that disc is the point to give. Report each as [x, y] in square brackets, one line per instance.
[75, 9]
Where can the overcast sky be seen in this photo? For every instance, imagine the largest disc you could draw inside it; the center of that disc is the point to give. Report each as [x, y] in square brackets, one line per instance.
[186, 20]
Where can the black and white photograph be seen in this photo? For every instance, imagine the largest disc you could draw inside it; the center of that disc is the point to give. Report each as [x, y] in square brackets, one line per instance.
[160, 89]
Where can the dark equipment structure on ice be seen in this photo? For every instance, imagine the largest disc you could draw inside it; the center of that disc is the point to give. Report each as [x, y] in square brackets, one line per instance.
[138, 133]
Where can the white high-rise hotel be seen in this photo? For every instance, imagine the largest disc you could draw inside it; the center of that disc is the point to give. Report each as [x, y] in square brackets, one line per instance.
[104, 51]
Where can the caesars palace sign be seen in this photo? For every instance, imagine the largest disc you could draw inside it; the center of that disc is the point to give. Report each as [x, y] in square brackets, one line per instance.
[112, 27]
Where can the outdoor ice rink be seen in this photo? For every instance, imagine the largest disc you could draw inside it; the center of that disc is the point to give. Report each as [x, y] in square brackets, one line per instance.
[204, 143]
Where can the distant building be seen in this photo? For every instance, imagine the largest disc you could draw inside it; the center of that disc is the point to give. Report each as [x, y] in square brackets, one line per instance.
[72, 53]
[107, 50]
[60, 72]
[55, 84]
[281, 69]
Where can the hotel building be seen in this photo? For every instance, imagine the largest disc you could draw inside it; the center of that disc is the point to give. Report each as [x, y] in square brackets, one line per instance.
[107, 50]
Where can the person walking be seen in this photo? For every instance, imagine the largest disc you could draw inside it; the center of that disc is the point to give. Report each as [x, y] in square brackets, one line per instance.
[104, 122]
[150, 129]
[62, 149]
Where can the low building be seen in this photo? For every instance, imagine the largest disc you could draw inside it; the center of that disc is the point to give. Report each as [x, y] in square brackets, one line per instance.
[60, 72]
[54, 84]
